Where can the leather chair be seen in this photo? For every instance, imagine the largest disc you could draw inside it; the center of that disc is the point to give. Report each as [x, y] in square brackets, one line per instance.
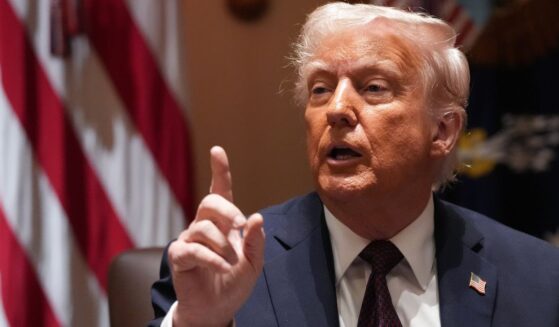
[131, 275]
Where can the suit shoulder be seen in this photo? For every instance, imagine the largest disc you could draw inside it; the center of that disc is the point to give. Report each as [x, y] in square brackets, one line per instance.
[504, 241]
[296, 212]
[297, 203]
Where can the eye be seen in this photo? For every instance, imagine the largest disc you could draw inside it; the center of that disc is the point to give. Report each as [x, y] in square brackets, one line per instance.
[377, 90]
[375, 87]
[317, 90]
[320, 92]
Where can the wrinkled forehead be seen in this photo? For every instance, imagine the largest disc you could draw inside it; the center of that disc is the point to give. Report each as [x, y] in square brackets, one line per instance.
[382, 41]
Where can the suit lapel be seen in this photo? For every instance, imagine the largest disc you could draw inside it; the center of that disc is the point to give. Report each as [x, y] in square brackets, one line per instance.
[459, 246]
[300, 276]
[301, 281]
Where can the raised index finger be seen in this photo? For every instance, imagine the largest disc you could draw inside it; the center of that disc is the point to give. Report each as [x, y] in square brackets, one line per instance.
[221, 175]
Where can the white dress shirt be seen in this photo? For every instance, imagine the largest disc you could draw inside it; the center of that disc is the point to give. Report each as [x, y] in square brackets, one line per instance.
[412, 283]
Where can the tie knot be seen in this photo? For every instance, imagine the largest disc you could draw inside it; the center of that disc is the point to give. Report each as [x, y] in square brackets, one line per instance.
[381, 255]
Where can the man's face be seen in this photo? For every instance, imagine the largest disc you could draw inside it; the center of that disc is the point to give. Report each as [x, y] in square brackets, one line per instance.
[368, 127]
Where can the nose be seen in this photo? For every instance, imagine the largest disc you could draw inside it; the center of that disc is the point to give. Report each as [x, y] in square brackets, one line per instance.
[341, 110]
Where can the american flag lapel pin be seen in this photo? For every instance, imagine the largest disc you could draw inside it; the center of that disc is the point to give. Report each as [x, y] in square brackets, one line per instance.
[477, 283]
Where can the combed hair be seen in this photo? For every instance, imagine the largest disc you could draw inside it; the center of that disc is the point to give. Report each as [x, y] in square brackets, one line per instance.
[445, 72]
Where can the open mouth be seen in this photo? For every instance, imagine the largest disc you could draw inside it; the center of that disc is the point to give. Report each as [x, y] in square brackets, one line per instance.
[343, 153]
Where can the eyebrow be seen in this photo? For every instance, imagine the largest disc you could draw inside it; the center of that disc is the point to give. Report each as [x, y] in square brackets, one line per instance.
[360, 67]
[313, 68]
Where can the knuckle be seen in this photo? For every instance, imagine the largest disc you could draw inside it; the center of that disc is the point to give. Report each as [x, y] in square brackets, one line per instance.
[200, 228]
[209, 202]
[192, 250]
[204, 226]
[211, 199]
[187, 258]
[174, 253]
[182, 236]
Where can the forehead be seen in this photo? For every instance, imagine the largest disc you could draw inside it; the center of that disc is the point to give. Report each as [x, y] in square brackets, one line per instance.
[379, 43]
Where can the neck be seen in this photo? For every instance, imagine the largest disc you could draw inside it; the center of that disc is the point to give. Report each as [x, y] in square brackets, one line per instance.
[378, 216]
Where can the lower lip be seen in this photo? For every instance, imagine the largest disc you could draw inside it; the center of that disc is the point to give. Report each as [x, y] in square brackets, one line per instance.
[352, 161]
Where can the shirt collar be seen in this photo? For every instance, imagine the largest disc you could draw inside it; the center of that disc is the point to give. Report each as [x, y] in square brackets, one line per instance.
[416, 242]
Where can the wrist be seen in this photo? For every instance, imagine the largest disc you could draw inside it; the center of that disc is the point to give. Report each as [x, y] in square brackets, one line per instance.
[182, 319]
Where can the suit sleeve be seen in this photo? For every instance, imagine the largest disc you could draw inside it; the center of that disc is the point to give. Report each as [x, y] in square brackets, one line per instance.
[162, 292]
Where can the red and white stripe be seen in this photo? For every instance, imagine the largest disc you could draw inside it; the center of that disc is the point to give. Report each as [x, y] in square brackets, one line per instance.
[477, 283]
[454, 14]
[3, 319]
[38, 235]
[95, 154]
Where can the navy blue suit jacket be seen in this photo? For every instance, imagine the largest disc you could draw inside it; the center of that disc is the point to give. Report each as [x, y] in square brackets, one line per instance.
[297, 286]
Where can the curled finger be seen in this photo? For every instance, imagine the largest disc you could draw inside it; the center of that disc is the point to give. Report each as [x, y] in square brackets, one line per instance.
[224, 214]
[208, 234]
[185, 256]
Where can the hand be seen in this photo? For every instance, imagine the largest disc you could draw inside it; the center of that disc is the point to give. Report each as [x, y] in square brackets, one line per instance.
[214, 268]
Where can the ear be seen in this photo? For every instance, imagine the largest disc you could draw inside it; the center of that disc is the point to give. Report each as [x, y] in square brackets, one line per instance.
[445, 133]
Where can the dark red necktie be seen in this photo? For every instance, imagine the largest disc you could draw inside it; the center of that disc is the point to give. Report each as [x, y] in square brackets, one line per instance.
[377, 309]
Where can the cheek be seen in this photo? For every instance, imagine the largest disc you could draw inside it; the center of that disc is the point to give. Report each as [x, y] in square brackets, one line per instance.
[397, 131]
[314, 132]
[312, 146]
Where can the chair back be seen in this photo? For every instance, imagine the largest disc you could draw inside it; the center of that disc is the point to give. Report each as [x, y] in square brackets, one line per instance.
[131, 275]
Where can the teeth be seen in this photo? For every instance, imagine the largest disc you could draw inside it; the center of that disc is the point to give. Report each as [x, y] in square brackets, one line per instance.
[344, 157]
[343, 154]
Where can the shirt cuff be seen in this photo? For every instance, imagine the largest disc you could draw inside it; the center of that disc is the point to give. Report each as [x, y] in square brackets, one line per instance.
[168, 320]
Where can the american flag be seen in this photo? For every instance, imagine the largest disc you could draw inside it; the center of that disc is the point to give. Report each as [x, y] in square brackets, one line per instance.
[477, 283]
[454, 12]
[94, 146]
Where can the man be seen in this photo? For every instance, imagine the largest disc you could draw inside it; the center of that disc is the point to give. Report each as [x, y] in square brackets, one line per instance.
[385, 92]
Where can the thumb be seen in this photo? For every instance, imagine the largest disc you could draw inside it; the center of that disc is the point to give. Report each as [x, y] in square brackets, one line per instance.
[253, 245]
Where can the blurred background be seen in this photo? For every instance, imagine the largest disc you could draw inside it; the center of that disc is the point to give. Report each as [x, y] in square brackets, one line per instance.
[108, 109]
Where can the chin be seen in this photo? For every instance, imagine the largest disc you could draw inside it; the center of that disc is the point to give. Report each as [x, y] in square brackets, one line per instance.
[343, 187]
